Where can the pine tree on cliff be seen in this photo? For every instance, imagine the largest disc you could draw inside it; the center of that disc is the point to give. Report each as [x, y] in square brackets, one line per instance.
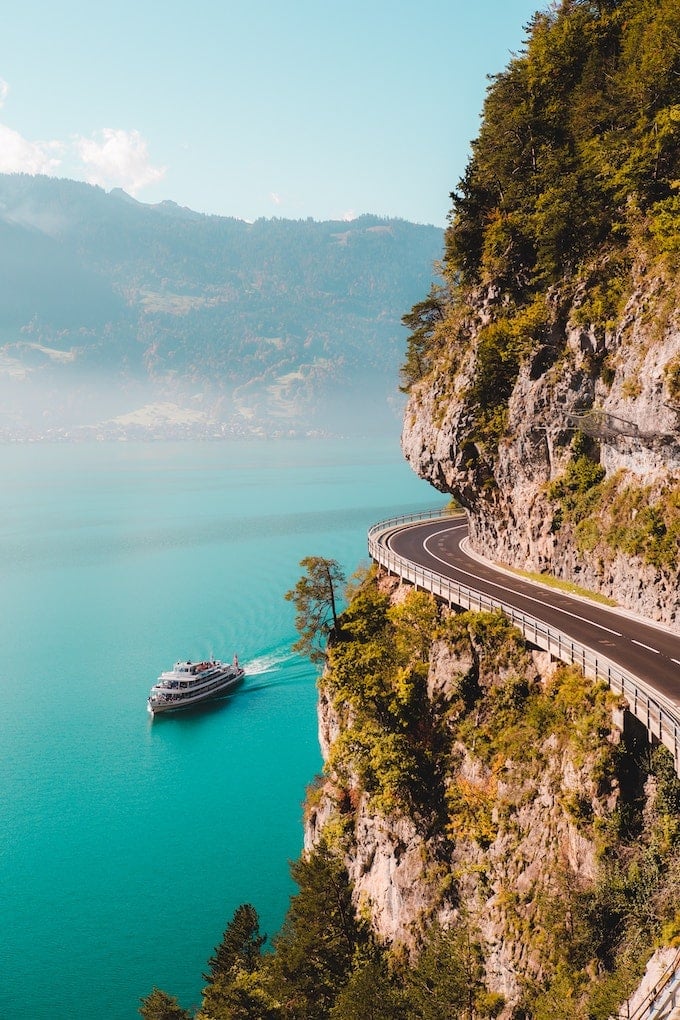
[158, 1005]
[241, 944]
[315, 597]
[315, 950]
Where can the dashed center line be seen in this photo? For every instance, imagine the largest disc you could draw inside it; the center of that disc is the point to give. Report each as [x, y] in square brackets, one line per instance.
[501, 587]
[647, 647]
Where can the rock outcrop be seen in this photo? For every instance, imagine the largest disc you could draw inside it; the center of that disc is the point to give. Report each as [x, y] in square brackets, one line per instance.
[615, 385]
[508, 833]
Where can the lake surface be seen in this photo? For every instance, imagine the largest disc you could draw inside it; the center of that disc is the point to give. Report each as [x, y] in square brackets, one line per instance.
[125, 843]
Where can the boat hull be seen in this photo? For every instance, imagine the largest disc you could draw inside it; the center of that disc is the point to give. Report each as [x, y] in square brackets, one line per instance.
[180, 700]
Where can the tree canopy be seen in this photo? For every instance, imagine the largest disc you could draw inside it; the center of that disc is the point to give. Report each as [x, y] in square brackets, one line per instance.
[158, 1005]
[580, 128]
[241, 944]
[315, 597]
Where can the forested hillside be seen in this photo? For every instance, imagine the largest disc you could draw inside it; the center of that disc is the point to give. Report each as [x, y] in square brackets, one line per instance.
[576, 168]
[544, 369]
[107, 304]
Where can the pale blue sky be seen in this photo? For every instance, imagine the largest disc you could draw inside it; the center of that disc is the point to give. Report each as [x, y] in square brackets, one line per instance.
[254, 108]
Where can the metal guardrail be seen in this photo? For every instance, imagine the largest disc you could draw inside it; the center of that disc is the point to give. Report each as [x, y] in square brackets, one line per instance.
[661, 1001]
[659, 716]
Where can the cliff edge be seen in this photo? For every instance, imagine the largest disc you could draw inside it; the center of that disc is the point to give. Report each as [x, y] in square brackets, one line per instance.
[544, 372]
[476, 789]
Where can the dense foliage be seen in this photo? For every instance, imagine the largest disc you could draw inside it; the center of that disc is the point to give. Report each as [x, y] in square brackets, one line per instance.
[611, 514]
[580, 134]
[575, 171]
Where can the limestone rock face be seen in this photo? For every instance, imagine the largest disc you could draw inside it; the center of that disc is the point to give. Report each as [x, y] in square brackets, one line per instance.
[612, 383]
[407, 870]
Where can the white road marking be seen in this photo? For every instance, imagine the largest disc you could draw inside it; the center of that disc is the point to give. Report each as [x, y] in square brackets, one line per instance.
[647, 647]
[530, 598]
[676, 661]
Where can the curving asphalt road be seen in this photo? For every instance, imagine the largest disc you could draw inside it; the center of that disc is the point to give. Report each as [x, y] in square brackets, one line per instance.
[649, 651]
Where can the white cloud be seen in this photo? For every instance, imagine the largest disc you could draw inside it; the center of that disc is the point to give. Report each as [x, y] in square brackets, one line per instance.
[116, 158]
[18, 155]
[110, 158]
[276, 198]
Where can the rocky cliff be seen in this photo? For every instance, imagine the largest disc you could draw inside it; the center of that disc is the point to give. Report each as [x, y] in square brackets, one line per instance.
[508, 804]
[615, 385]
[544, 371]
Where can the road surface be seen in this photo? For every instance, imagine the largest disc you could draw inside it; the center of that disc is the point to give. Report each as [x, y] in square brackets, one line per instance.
[646, 650]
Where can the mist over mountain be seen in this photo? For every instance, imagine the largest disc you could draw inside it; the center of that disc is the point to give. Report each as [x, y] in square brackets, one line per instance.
[125, 318]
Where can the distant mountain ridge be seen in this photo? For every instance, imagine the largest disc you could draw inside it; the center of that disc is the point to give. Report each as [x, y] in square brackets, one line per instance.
[108, 305]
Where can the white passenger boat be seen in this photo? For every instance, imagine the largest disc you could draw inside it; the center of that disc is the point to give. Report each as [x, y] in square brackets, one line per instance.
[190, 683]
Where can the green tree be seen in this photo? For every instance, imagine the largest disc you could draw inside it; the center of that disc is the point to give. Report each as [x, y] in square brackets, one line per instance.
[414, 621]
[422, 320]
[370, 995]
[240, 946]
[240, 995]
[161, 1006]
[236, 986]
[320, 936]
[366, 615]
[447, 980]
[315, 597]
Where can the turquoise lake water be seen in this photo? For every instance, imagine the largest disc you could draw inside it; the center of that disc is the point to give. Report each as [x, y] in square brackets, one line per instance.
[126, 844]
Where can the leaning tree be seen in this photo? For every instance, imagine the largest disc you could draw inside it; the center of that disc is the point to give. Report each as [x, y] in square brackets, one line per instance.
[315, 597]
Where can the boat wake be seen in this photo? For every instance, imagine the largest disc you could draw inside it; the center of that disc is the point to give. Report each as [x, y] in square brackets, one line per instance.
[270, 662]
